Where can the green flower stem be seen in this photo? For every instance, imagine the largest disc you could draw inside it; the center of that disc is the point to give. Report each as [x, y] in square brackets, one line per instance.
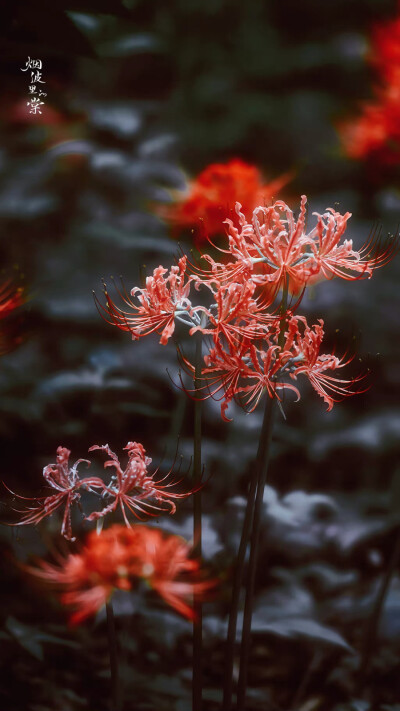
[371, 633]
[197, 686]
[116, 690]
[261, 468]
[237, 583]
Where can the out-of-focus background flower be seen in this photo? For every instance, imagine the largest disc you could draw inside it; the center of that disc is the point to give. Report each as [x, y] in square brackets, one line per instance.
[143, 95]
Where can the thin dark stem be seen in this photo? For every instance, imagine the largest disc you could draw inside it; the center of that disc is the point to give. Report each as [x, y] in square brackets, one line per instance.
[237, 583]
[198, 624]
[262, 469]
[369, 645]
[262, 462]
[175, 429]
[113, 651]
[302, 688]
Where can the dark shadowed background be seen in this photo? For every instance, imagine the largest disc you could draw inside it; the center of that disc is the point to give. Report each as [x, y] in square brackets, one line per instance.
[141, 95]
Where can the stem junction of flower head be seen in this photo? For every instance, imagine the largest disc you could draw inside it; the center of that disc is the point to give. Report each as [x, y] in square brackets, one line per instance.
[197, 531]
[261, 468]
[260, 472]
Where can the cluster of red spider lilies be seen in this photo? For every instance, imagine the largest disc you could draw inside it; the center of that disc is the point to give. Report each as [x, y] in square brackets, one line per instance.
[244, 307]
[121, 555]
[257, 342]
[132, 488]
[241, 302]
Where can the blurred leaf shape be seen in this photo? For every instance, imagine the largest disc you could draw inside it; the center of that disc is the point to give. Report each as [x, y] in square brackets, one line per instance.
[326, 579]
[120, 118]
[298, 507]
[139, 238]
[303, 628]
[130, 44]
[374, 433]
[32, 639]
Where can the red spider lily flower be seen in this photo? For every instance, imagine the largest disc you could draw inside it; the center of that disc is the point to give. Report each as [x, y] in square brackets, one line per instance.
[65, 480]
[118, 558]
[275, 249]
[301, 355]
[242, 372]
[162, 301]
[134, 488]
[212, 196]
[246, 370]
[235, 313]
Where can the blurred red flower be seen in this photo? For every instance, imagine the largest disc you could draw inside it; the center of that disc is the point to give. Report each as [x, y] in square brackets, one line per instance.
[385, 48]
[118, 558]
[19, 113]
[11, 298]
[212, 196]
[375, 132]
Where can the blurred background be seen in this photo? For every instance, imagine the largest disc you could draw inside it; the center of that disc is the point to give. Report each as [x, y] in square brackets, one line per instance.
[141, 97]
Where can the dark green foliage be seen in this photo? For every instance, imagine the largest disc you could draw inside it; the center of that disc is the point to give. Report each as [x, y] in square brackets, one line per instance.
[140, 89]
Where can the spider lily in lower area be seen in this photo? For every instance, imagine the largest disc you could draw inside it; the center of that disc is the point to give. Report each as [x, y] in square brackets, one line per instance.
[118, 558]
[134, 488]
[65, 480]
